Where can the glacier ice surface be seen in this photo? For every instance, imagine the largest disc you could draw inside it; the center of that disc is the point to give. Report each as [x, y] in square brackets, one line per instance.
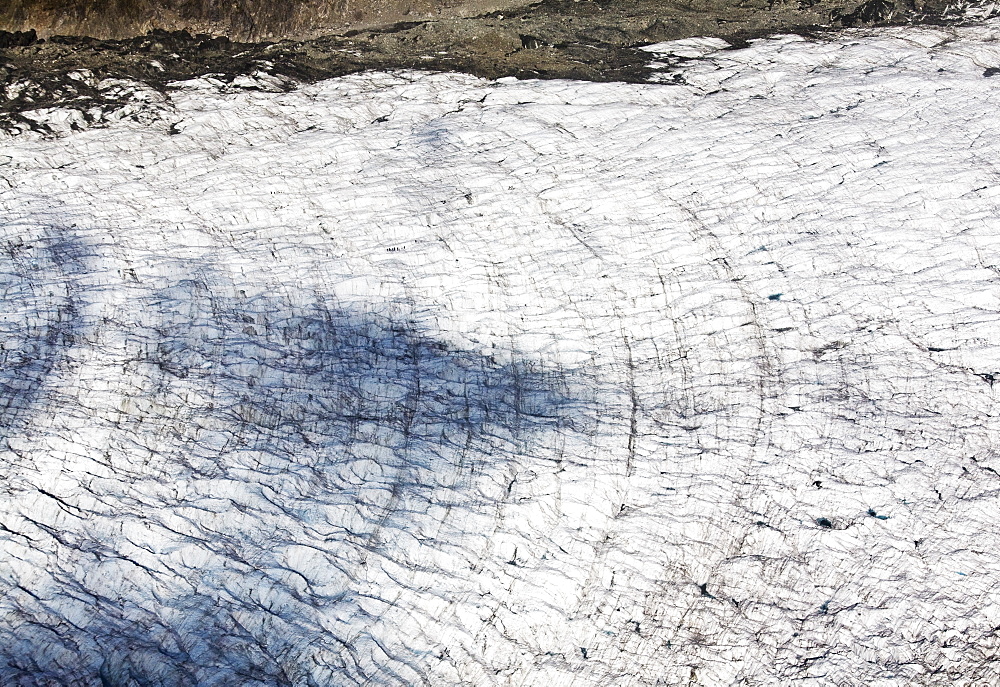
[415, 378]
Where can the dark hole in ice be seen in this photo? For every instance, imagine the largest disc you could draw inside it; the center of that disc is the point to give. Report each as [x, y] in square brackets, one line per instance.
[824, 522]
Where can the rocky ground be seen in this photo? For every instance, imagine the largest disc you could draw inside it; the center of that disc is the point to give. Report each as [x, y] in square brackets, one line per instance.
[594, 40]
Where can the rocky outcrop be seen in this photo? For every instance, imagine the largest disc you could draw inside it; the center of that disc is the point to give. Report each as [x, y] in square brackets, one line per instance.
[541, 23]
[239, 19]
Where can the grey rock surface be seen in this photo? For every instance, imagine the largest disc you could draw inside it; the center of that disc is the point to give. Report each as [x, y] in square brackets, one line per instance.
[241, 19]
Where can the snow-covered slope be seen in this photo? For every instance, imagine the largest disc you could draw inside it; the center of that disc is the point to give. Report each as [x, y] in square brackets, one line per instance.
[409, 379]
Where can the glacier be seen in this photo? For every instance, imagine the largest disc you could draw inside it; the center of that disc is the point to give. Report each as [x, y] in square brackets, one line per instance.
[422, 379]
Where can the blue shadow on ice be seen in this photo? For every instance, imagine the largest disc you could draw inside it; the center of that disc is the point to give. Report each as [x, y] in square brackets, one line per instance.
[39, 321]
[316, 376]
[302, 409]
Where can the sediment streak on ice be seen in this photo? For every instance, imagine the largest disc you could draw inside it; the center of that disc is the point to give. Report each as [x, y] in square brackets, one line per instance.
[421, 379]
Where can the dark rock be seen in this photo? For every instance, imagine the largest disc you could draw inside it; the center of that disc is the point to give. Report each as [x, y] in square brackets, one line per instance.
[17, 39]
[866, 14]
[530, 42]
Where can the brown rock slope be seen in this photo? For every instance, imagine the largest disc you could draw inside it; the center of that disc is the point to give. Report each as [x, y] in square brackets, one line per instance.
[245, 20]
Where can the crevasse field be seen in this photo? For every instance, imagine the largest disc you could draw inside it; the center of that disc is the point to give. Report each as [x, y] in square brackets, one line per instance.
[420, 379]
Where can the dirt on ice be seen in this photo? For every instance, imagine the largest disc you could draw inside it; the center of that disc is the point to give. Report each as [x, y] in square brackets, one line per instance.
[595, 40]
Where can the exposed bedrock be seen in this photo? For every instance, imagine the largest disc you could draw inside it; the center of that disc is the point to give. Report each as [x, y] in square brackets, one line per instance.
[238, 19]
[540, 23]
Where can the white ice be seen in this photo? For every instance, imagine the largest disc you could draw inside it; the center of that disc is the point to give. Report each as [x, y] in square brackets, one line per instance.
[408, 378]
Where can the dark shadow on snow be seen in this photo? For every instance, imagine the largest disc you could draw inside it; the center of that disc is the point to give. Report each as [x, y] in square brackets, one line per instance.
[311, 407]
[39, 320]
